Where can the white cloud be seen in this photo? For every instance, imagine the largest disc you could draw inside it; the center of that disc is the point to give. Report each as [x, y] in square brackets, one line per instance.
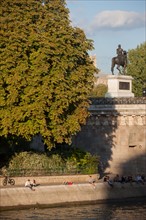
[117, 20]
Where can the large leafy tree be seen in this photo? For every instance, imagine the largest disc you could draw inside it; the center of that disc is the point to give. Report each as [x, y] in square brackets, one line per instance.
[46, 72]
[137, 68]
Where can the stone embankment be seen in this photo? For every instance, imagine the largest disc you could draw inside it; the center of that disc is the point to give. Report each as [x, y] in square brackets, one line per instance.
[13, 197]
[52, 180]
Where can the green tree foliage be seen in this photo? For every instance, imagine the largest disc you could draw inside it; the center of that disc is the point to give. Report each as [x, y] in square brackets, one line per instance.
[137, 68]
[46, 72]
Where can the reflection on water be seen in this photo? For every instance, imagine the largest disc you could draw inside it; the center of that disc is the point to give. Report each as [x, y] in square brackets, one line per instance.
[132, 210]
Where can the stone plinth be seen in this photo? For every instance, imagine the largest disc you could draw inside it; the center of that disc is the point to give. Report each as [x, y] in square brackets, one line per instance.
[119, 86]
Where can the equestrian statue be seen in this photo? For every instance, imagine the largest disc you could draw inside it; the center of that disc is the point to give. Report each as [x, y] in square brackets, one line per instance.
[120, 60]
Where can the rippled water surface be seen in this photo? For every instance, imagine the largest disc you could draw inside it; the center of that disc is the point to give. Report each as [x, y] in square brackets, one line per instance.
[132, 210]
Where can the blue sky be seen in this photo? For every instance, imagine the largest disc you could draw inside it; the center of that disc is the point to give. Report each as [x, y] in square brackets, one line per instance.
[109, 23]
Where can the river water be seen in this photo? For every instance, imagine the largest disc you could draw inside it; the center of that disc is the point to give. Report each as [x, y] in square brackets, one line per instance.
[128, 210]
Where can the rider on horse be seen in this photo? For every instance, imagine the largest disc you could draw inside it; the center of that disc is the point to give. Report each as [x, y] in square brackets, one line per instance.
[120, 60]
[119, 51]
[121, 54]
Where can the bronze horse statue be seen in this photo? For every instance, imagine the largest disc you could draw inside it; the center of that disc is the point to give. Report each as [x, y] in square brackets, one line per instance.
[120, 61]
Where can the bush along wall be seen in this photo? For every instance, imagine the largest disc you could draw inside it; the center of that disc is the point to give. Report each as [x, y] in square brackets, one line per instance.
[30, 163]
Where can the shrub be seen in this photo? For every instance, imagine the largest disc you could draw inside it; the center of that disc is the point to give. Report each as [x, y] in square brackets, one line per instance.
[30, 163]
[89, 164]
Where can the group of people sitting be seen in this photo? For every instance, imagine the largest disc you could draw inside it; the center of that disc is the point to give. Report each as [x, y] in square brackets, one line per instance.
[30, 184]
[125, 179]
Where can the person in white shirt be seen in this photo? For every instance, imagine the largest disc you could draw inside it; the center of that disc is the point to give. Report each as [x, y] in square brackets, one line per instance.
[29, 184]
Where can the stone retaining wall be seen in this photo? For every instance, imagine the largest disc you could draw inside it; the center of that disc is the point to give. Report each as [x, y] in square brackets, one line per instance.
[116, 131]
[59, 195]
[47, 180]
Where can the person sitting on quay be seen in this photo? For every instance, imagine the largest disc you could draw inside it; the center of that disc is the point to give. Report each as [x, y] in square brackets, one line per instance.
[130, 179]
[139, 179]
[34, 183]
[143, 178]
[68, 183]
[91, 181]
[123, 179]
[117, 178]
[109, 181]
[29, 184]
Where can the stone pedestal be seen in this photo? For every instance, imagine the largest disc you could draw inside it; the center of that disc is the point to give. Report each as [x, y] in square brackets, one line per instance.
[119, 86]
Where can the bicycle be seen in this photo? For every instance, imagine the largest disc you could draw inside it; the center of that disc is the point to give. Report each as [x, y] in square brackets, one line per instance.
[8, 180]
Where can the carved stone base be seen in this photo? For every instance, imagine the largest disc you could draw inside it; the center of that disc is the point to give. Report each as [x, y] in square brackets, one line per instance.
[119, 86]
